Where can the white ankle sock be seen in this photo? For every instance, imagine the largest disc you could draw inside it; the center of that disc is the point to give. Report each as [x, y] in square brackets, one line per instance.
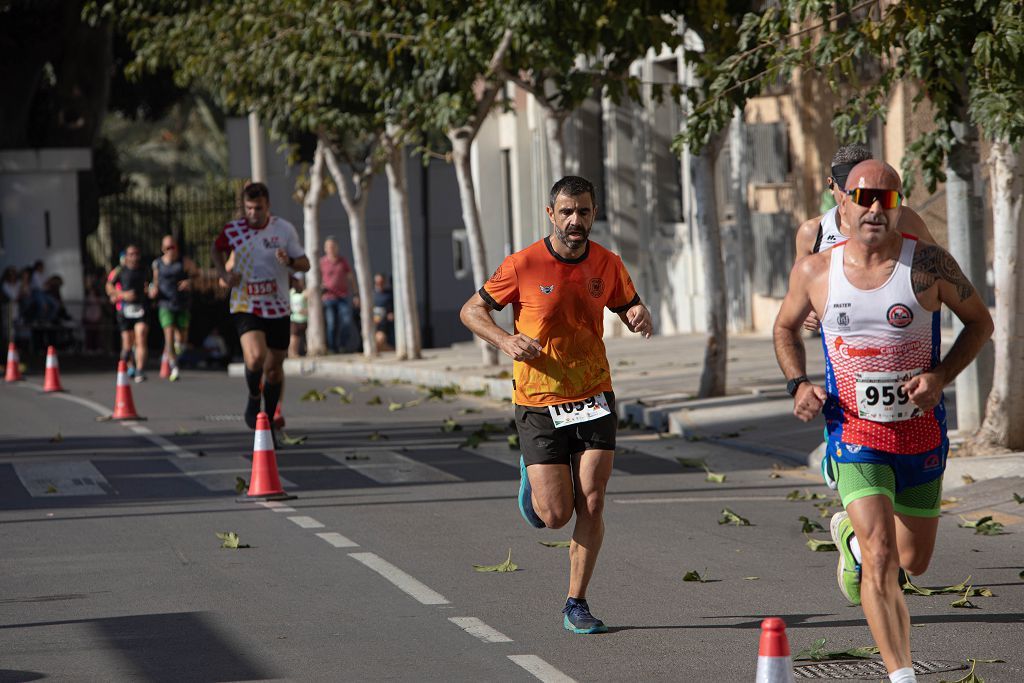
[904, 675]
[855, 549]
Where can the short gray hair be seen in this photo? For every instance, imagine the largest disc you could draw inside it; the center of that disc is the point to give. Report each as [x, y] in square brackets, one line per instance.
[851, 154]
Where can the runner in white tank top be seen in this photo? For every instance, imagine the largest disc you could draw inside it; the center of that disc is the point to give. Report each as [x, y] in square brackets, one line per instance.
[874, 341]
[878, 294]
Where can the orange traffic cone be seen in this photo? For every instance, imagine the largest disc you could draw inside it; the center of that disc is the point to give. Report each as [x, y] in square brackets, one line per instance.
[265, 482]
[278, 417]
[773, 663]
[13, 365]
[124, 406]
[51, 382]
[165, 366]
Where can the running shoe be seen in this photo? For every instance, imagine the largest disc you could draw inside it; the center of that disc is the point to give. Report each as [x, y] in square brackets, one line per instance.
[848, 569]
[526, 498]
[131, 371]
[173, 377]
[578, 618]
[252, 409]
[140, 377]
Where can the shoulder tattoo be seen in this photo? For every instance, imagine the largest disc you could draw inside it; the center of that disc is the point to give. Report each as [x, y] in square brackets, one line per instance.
[931, 264]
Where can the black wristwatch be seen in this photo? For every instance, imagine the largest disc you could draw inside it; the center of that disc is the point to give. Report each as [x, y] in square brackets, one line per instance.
[792, 384]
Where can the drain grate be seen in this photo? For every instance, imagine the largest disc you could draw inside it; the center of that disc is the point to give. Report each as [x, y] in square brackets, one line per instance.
[222, 418]
[873, 669]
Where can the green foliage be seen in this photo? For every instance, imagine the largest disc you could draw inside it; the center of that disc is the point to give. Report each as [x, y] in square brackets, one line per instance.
[966, 56]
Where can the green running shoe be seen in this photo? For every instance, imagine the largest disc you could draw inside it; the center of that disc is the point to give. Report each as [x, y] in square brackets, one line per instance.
[847, 570]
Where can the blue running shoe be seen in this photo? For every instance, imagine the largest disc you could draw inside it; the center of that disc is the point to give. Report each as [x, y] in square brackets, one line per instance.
[526, 498]
[578, 618]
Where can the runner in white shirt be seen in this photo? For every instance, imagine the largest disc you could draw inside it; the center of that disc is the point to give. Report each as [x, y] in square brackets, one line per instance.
[266, 250]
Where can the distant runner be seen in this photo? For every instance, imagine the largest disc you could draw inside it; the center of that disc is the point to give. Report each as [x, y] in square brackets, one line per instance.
[878, 296]
[126, 287]
[565, 408]
[266, 251]
[172, 290]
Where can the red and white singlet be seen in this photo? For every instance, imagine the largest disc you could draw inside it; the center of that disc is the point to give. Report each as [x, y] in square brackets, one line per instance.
[263, 290]
[874, 341]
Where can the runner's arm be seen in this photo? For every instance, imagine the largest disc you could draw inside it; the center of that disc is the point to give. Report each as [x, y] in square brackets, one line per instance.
[638, 319]
[789, 345]
[476, 315]
[806, 236]
[220, 258]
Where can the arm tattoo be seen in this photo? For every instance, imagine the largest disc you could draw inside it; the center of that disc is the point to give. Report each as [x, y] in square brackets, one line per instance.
[931, 264]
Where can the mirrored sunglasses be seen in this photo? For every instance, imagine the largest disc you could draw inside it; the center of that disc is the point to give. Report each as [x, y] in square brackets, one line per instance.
[866, 197]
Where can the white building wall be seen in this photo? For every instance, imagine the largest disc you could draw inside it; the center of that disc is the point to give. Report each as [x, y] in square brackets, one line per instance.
[39, 187]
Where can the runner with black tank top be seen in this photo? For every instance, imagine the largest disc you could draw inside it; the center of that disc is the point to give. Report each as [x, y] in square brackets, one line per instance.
[172, 290]
[126, 287]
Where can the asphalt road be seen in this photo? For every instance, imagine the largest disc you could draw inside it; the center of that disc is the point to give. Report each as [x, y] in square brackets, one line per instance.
[111, 569]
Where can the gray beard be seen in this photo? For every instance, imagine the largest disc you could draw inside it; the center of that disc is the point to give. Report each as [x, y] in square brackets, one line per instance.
[563, 237]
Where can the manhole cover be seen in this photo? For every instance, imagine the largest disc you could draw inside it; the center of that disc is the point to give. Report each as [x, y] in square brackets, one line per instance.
[873, 669]
[222, 418]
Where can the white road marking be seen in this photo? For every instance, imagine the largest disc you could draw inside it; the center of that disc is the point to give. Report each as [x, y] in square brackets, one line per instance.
[390, 467]
[306, 522]
[400, 579]
[337, 540]
[541, 669]
[694, 499]
[52, 479]
[479, 629]
[276, 506]
[212, 478]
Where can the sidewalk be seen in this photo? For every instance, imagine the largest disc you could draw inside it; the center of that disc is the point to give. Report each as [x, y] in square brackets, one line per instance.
[656, 382]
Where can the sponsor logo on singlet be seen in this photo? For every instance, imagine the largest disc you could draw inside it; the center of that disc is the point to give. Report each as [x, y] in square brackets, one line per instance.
[843, 320]
[547, 289]
[932, 461]
[596, 287]
[899, 315]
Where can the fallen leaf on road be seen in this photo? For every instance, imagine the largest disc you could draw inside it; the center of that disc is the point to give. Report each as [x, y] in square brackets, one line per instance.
[392, 407]
[796, 494]
[507, 566]
[810, 526]
[375, 401]
[51, 489]
[181, 431]
[714, 477]
[751, 578]
[968, 479]
[964, 602]
[339, 390]
[356, 456]
[377, 436]
[292, 440]
[949, 501]
[985, 526]
[313, 395]
[230, 540]
[555, 544]
[1019, 498]
[730, 517]
[240, 484]
[817, 652]
[468, 411]
[450, 425]
[693, 575]
[821, 546]
[56, 438]
[695, 463]
[972, 677]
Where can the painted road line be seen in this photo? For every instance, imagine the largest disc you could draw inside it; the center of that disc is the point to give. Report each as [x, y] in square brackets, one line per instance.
[541, 669]
[479, 629]
[275, 505]
[694, 499]
[337, 540]
[207, 474]
[306, 522]
[391, 467]
[401, 580]
[53, 479]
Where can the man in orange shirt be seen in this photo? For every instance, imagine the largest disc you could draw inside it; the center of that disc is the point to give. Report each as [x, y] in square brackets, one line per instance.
[565, 408]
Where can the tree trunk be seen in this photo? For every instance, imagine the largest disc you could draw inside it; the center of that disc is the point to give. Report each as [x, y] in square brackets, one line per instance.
[967, 245]
[1004, 425]
[554, 131]
[407, 320]
[315, 342]
[462, 141]
[354, 201]
[739, 240]
[702, 166]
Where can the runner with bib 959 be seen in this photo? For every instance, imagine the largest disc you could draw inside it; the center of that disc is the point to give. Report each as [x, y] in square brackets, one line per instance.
[565, 409]
[878, 296]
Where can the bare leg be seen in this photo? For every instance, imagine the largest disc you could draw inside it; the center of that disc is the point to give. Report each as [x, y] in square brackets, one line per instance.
[591, 470]
[915, 537]
[169, 345]
[141, 332]
[884, 607]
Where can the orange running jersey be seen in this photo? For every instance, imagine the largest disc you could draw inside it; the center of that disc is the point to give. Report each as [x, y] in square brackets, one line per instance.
[560, 303]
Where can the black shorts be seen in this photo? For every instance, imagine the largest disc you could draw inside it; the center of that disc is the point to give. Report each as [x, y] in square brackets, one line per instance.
[277, 330]
[542, 444]
[128, 324]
